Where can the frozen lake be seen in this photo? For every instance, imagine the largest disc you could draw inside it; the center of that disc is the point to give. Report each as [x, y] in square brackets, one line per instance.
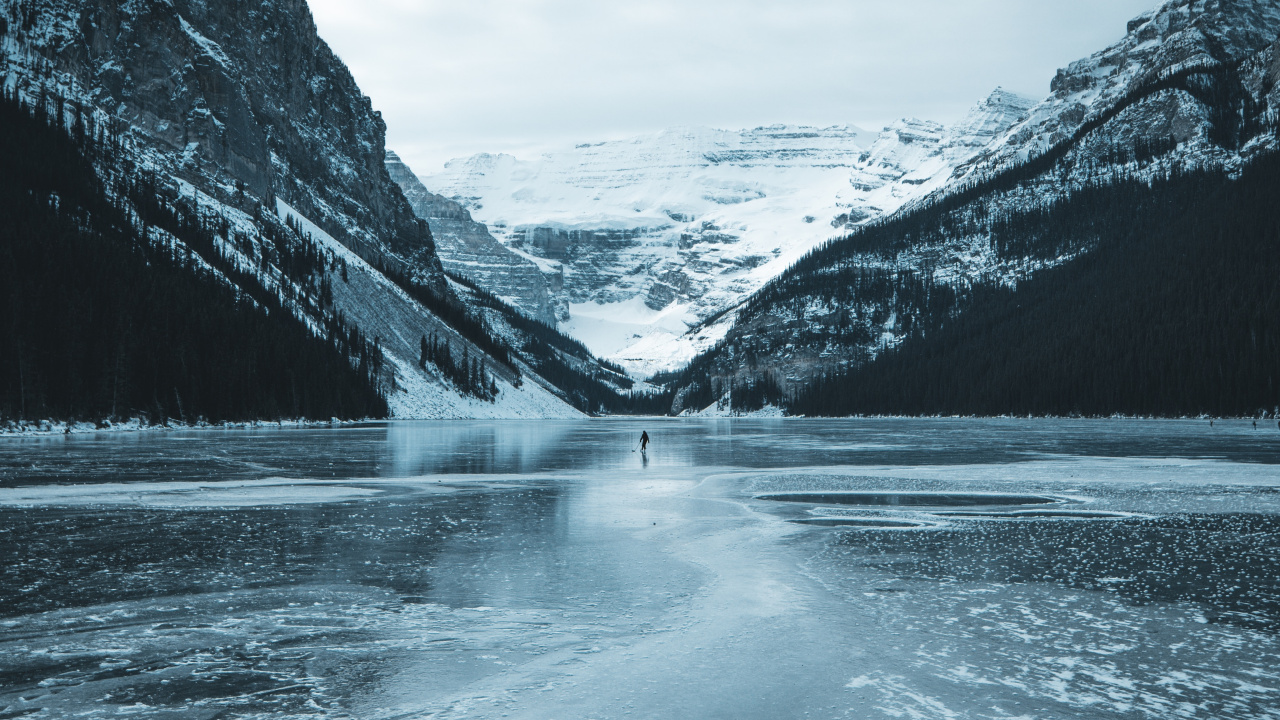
[931, 569]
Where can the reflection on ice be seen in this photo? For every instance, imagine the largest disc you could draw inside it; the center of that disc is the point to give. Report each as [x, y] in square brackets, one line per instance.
[1033, 514]
[184, 494]
[967, 570]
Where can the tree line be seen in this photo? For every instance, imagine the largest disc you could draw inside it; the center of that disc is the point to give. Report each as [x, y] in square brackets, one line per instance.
[1176, 312]
[102, 318]
[469, 375]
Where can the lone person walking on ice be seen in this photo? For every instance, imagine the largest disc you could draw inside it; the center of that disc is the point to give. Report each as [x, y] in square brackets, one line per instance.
[644, 441]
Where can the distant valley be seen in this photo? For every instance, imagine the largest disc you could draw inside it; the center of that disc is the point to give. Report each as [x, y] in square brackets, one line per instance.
[640, 240]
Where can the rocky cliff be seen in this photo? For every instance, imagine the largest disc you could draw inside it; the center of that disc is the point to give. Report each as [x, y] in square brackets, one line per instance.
[239, 97]
[238, 119]
[466, 248]
[1177, 38]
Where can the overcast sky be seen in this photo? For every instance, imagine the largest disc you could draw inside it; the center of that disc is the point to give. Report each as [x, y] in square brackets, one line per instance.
[465, 76]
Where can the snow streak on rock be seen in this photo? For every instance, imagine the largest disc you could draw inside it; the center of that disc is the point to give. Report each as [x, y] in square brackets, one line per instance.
[1176, 36]
[466, 248]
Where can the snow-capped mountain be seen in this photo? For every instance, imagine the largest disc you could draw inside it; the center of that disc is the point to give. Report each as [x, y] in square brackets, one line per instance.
[916, 157]
[240, 115]
[645, 238]
[224, 94]
[1178, 37]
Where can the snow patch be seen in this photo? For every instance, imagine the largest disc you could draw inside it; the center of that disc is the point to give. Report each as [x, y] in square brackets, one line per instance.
[210, 48]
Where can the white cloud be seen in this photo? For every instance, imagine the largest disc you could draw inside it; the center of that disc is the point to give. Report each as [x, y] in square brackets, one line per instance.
[454, 78]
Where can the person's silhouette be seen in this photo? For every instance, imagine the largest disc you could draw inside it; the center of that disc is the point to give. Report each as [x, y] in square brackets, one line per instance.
[644, 441]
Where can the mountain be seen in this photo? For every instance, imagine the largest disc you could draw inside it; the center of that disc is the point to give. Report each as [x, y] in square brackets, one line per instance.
[225, 143]
[228, 93]
[1179, 38]
[644, 238]
[107, 321]
[240, 142]
[466, 248]
[1191, 88]
[1176, 312]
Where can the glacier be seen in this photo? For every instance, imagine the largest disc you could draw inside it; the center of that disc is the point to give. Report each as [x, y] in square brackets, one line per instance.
[645, 240]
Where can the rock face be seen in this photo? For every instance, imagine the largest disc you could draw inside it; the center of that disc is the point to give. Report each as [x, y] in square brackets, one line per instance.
[466, 248]
[1176, 37]
[648, 237]
[912, 158]
[238, 91]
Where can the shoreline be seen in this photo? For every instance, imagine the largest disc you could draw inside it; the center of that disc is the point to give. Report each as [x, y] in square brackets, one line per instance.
[52, 428]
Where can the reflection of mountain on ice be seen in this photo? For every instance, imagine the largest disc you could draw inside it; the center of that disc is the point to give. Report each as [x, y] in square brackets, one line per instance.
[642, 238]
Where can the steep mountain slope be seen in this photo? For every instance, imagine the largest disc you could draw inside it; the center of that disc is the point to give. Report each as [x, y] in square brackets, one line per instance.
[1177, 37]
[644, 238]
[1175, 313]
[1199, 93]
[466, 248]
[105, 324]
[239, 119]
[222, 93]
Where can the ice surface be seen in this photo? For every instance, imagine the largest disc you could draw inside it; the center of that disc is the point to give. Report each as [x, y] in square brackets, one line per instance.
[181, 494]
[543, 570]
[910, 499]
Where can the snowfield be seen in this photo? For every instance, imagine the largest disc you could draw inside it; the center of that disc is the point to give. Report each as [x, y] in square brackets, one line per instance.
[648, 237]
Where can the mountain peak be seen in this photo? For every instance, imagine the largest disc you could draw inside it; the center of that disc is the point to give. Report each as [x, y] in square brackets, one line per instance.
[1002, 98]
[1176, 36]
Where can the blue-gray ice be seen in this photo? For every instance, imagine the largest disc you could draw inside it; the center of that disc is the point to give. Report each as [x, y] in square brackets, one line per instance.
[1035, 569]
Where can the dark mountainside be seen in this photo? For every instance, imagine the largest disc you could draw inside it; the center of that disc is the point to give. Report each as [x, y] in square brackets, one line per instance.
[1176, 312]
[103, 322]
[239, 137]
[922, 271]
